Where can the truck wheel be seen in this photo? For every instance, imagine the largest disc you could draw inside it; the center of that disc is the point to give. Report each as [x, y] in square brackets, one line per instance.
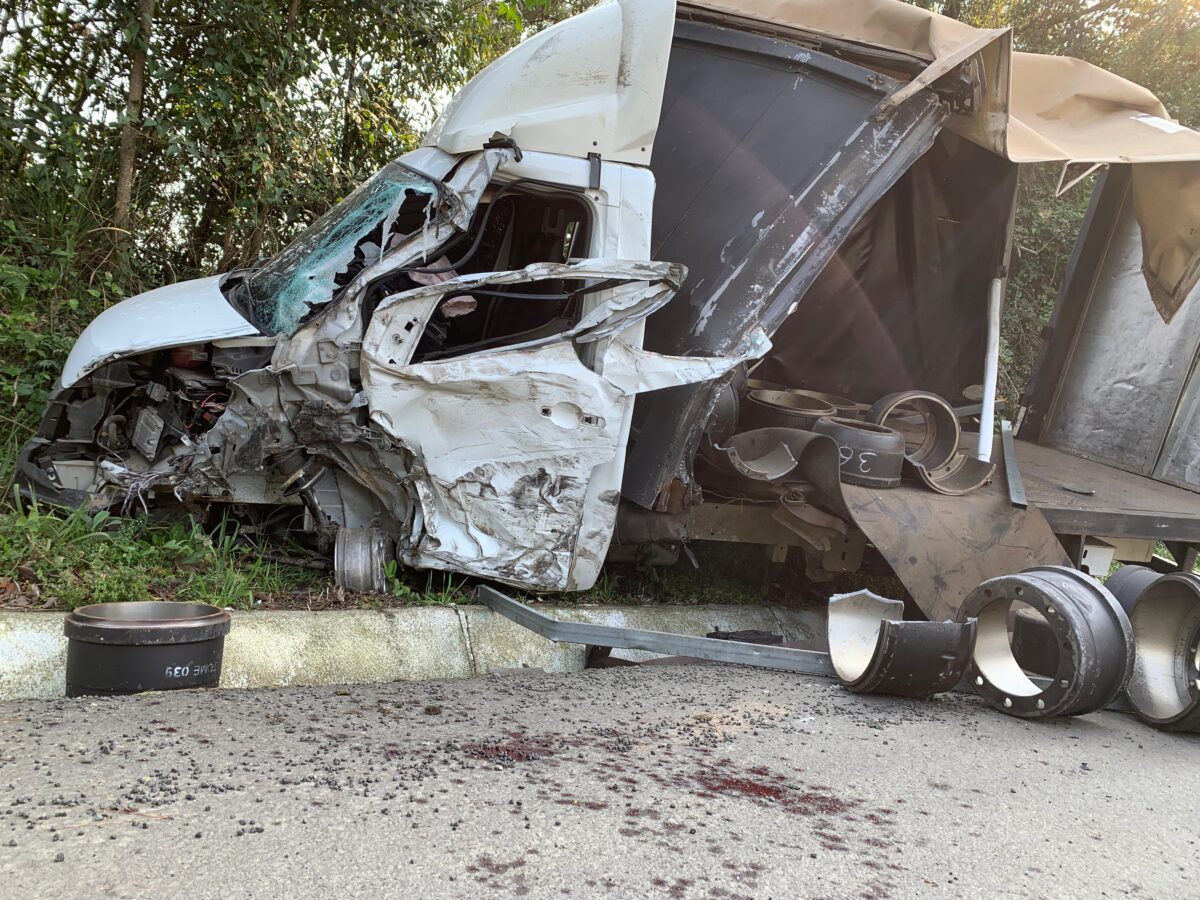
[360, 556]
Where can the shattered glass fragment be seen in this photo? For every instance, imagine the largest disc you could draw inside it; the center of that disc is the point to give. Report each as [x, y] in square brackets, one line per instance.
[353, 235]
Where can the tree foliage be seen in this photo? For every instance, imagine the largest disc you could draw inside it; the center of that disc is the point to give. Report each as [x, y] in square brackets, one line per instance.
[254, 116]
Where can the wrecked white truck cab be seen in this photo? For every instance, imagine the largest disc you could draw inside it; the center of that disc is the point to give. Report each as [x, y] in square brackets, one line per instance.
[533, 331]
[446, 360]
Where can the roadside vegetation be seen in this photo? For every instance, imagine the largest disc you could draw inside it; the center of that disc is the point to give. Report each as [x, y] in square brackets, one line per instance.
[147, 141]
[50, 561]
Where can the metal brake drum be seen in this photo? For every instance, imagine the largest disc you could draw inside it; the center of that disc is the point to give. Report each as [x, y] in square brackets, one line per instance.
[873, 650]
[1164, 689]
[870, 455]
[784, 409]
[1090, 628]
[149, 645]
[1128, 582]
[843, 406]
[931, 441]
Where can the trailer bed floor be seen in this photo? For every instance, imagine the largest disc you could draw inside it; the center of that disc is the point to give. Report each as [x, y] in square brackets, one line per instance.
[1080, 496]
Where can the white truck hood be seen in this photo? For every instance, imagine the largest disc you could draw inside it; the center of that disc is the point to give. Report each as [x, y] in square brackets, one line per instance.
[190, 312]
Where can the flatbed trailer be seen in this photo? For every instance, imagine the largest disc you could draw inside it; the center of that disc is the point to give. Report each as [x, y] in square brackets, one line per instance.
[1083, 498]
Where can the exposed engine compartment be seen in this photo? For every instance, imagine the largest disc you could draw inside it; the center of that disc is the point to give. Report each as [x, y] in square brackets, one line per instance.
[127, 437]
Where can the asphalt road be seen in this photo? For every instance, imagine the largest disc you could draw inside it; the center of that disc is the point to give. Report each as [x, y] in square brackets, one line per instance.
[683, 782]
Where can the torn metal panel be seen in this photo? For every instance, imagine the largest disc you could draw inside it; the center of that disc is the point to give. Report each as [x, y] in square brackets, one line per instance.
[637, 371]
[505, 442]
[941, 547]
[400, 320]
[1031, 108]
[460, 196]
[504, 449]
[759, 208]
[1116, 384]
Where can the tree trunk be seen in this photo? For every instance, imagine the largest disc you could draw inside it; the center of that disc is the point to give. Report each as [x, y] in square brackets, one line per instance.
[292, 13]
[133, 116]
[347, 142]
[8, 112]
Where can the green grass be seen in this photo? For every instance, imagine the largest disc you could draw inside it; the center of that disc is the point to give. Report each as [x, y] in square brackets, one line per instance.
[427, 588]
[59, 560]
[81, 558]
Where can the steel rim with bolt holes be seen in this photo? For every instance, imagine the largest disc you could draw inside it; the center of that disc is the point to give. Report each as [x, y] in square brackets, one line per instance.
[1092, 633]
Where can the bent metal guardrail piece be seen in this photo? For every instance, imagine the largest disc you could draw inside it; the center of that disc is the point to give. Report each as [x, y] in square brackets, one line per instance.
[1089, 625]
[875, 651]
[806, 662]
[1164, 689]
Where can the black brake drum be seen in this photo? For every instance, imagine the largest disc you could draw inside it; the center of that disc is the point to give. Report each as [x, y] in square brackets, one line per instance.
[125, 648]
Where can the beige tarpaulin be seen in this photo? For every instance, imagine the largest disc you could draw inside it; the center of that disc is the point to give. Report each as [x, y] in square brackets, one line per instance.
[1036, 109]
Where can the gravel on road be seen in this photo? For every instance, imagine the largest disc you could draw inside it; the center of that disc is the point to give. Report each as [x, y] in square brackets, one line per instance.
[673, 781]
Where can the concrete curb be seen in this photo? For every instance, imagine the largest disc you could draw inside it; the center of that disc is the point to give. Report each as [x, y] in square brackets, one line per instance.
[278, 648]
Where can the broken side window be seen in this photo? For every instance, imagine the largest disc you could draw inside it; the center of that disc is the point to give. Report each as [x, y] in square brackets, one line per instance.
[511, 230]
[354, 234]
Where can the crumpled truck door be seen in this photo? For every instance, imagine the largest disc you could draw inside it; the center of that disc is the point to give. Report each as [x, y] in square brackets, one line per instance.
[511, 445]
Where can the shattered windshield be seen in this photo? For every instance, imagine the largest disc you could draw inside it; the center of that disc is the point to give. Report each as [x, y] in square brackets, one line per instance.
[351, 236]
